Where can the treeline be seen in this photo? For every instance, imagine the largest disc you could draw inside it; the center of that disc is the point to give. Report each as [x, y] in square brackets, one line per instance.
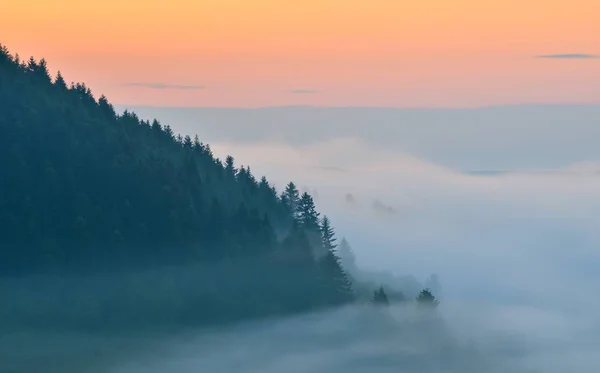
[85, 190]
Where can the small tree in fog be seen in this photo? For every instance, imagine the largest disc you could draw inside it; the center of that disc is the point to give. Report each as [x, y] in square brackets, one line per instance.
[427, 299]
[380, 298]
[346, 255]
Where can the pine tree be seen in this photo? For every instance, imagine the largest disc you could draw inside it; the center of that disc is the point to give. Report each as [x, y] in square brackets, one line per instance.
[156, 127]
[263, 184]
[307, 213]
[338, 283]
[32, 65]
[106, 107]
[291, 199]
[5, 56]
[380, 298]
[18, 61]
[60, 81]
[230, 170]
[197, 144]
[327, 235]
[187, 142]
[169, 132]
[427, 299]
[346, 254]
[39, 70]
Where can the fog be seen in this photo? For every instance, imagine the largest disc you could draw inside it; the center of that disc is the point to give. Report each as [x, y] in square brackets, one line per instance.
[482, 340]
[501, 237]
[463, 337]
[489, 138]
[521, 245]
[516, 251]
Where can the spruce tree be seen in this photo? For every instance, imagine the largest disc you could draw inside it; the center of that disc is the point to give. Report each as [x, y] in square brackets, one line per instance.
[346, 254]
[230, 170]
[338, 284]
[187, 142]
[427, 299]
[42, 71]
[327, 235]
[156, 127]
[106, 107]
[380, 298]
[169, 132]
[32, 65]
[307, 213]
[263, 184]
[60, 81]
[291, 199]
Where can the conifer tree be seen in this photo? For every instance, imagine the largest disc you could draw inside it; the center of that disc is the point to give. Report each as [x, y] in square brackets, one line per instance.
[32, 65]
[307, 213]
[291, 199]
[264, 184]
[347, 257]
[380, 298]
[427, 299]
[230, 170]
[187, 142]
[197, 144]
[169, 132]
[5, 57]
[106, 107]
[60, 81]
[340, 285]
[327, 235]
[156, 127]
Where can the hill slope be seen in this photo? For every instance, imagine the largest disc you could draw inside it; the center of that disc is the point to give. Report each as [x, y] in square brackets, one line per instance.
[94, 198]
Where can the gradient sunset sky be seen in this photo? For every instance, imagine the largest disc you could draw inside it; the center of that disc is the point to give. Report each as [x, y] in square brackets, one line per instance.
[248, 53]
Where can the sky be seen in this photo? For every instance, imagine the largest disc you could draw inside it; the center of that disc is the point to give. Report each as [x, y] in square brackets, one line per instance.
[252, 53]
[516, 251]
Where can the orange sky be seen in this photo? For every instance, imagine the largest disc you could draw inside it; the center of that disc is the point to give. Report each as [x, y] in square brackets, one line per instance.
[346, 52]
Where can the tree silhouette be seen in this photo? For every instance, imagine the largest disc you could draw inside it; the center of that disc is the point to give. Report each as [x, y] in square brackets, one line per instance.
[426, 299]
[85, 190]
[380, 298]
[327, 234]
[346, 254]
[308, 215]
[291, 199]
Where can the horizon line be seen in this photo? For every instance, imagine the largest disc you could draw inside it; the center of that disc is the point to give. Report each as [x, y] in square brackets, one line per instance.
[389, 107]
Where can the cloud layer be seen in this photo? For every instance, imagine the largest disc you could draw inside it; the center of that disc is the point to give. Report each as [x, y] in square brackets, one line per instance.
[494, 138]
[468, 338]
[166, 86]
[571, 56]
[304, 91]
[501, 238]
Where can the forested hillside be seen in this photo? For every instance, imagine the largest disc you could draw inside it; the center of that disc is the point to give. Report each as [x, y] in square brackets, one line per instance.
[85, 190]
